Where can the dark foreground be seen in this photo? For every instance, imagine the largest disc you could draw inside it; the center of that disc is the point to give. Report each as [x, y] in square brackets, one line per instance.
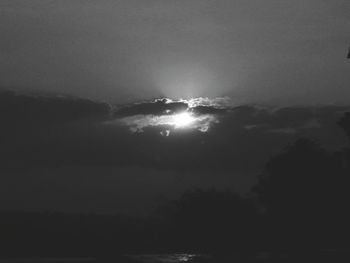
[321, 256]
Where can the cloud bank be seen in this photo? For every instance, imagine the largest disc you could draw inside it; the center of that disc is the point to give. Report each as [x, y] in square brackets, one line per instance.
[168, 115]
[54, 143]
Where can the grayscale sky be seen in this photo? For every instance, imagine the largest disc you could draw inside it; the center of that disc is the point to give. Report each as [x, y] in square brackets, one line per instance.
[275, 51]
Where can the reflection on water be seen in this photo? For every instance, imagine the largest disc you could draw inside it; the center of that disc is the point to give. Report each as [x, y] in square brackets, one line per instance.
[151, 258]
[165, 258]
[331, 256]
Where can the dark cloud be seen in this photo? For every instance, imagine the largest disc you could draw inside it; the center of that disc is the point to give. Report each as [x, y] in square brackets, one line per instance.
[72, 131]
[167, 106]
[200, 109]
[25, 109]
[156, 107]
[66, 133]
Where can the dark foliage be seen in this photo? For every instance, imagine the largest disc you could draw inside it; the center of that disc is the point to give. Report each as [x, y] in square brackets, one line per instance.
[300, 204]
[305, 193]
[344, 122]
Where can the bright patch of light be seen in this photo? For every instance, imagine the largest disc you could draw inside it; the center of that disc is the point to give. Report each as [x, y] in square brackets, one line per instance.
[168, 123]
[185, 257]
[183, 119]
[169, 120]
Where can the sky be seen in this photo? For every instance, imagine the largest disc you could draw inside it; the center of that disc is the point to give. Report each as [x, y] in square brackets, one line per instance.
[272, 51]
[119, 106]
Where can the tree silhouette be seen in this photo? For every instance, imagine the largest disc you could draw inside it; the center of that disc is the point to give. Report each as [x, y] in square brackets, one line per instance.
[344, 122]
[305, 191]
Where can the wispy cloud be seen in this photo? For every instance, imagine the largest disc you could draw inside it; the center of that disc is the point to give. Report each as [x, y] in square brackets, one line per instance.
[167, 114]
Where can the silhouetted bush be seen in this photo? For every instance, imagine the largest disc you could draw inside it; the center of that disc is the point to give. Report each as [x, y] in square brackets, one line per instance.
[305, 191]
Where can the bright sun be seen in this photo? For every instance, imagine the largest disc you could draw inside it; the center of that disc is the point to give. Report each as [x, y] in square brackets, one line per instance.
[182, 120]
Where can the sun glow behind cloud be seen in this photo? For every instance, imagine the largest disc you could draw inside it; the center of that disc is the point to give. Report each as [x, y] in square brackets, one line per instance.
[172, 115]
[183, 120]
[169, 123]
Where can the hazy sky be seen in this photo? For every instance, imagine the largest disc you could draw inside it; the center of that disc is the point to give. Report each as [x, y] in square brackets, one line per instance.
[274, 50]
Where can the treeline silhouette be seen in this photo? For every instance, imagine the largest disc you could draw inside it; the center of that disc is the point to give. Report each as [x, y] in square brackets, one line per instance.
[300, 203]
